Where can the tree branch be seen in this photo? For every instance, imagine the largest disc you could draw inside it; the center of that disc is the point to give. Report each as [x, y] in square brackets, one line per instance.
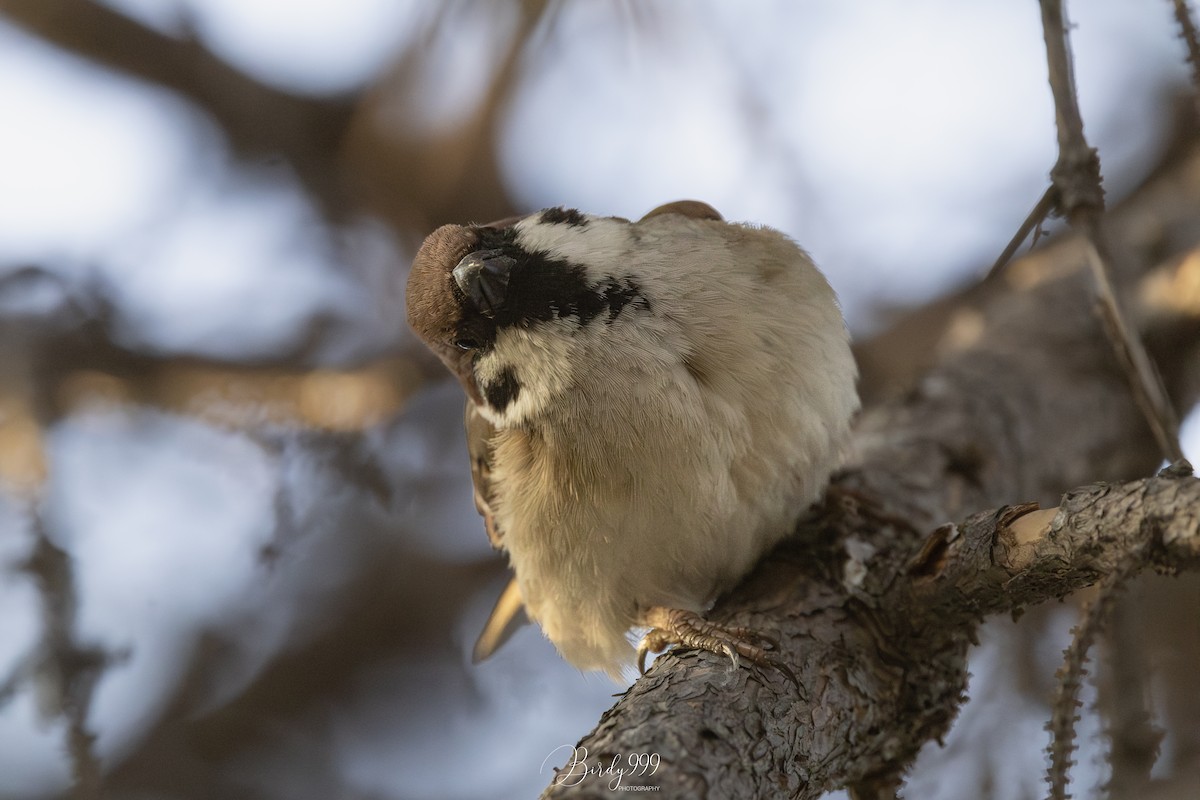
[1077, 182]
[1003, 561]
[1014, 557]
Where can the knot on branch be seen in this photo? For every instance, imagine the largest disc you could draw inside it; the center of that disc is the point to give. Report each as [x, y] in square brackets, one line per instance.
[1077, 181]
[1179, 469]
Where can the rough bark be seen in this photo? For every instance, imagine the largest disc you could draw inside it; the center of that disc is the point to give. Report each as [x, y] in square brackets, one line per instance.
[878, 597]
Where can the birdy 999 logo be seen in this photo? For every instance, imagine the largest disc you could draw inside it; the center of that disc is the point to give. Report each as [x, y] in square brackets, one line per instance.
[579, 768]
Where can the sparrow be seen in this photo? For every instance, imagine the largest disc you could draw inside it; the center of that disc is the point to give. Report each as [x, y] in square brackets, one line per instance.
[651, 406]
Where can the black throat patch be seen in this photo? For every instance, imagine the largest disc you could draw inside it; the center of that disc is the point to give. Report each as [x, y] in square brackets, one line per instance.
[503, 391]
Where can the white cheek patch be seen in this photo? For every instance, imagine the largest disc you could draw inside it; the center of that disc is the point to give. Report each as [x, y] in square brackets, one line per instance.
[527, 370]
[598, 244]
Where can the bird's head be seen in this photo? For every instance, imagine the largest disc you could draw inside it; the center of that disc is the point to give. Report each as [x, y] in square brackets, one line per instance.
[516, 309]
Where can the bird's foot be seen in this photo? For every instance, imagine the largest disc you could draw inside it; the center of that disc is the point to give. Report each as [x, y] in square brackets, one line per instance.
[674, 626]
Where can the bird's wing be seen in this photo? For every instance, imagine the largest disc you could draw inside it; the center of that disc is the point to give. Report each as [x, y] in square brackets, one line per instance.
[509, 613]
[479, 448]
[688, 208]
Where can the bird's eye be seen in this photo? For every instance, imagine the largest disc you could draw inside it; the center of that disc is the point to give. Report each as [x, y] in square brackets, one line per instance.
[466, 344]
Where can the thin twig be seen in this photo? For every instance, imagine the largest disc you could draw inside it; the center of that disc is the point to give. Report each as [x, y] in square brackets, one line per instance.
[1076, 177]
[1144, 379]
[1070, 676]
[1045, 204]
[1187, 32]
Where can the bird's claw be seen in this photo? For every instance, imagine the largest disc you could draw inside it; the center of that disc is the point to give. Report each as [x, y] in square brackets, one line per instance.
[655, 641]
[672, 626]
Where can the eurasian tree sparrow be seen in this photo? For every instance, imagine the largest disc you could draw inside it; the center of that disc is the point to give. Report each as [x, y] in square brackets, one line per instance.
[651, 406]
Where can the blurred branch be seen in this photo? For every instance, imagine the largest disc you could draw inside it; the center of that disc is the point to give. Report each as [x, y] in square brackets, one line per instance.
[349, 152]
[1124, 694]
[425, 179]
[1172, 627]
[66, 672]
[260, 121]
[69, 357]
[1191, 40]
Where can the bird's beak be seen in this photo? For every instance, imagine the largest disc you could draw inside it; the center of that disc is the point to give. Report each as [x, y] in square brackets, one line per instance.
[483, 277]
